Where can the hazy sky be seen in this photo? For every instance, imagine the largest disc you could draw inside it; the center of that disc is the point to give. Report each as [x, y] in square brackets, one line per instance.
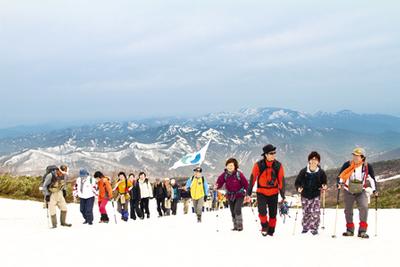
[92, 60]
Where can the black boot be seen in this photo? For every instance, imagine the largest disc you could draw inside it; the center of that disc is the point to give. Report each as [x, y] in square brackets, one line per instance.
[363, 235]
[348, 232]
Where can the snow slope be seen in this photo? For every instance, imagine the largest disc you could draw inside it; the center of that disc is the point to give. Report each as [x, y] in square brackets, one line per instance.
[179, 241]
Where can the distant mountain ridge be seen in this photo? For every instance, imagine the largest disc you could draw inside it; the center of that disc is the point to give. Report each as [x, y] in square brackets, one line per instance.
[154, 145]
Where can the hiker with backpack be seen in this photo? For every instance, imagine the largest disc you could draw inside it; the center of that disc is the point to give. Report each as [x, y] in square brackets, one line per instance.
[353, 178]
[160, 194]
[168, 200]
[54, 192]
[123, 187]
[185, 195]
[309, 183]
[146, 192]
[85, 189]
[135, 198]
[105, 195]
[236, 185]
[198, 188]
[175, 197]
[268, 173]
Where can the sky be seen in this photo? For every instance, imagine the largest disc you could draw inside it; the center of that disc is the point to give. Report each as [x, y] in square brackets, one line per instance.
[79, 60]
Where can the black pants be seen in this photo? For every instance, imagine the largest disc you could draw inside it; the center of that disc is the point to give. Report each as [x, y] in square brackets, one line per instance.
[144, 206]
[86, 208]
[161, 206]
[174, 206]
[270, 202]
[135, 210]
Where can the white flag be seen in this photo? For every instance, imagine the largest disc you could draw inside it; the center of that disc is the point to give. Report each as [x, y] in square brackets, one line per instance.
[192, 158]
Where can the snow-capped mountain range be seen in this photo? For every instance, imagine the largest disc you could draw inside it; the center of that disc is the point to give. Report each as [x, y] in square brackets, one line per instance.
[154, 145]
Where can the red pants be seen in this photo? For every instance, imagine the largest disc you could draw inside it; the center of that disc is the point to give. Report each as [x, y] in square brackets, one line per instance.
[102, 206]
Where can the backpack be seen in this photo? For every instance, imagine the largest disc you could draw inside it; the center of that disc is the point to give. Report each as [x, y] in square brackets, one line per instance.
[272, 183]
[49, 169]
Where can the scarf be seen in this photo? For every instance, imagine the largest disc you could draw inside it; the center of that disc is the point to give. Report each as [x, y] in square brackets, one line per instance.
[346, 174]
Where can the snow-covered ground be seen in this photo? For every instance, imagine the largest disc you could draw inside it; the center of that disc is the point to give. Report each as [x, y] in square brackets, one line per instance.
[26, 240]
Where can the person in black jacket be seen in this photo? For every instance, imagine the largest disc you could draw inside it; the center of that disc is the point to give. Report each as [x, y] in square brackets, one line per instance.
[160, 194]
[310, 181]
[135, 198]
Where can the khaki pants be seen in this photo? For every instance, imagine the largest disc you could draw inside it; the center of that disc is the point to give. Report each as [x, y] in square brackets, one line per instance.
[186, 202]
[198, 206]
[57, 200]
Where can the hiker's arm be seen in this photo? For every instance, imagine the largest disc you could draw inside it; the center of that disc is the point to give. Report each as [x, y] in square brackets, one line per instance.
[220, 181]
[253, 178]
[282, 186]
[205, 187]
[244, 181]
[188, 184]
[371, 178]
[344, 167]
[299, 180]
[324, 179]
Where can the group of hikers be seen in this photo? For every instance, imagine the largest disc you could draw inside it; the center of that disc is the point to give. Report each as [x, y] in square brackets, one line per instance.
[132, 194]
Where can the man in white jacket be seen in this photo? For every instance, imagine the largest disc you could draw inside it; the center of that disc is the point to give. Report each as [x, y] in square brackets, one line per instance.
[86, 189]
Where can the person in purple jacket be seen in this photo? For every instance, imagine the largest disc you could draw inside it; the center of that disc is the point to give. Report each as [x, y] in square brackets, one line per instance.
[235, 185]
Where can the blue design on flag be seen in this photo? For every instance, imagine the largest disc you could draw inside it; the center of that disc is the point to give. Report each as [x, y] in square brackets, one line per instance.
[196, 158]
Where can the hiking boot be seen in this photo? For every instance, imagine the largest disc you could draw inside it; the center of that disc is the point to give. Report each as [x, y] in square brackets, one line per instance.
[239, 227]
[63, 218]
[363, 235]
[54, 221]
[305, 231]
[314, 232]
[348, 233]
[264, 231]
[271, 231]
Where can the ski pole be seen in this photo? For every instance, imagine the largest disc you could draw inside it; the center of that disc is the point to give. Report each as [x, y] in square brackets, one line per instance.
[376, 215]
[336, 216]
[323, 209]
[115, 216]
[47, 214]
[297, 214]
[217, 218]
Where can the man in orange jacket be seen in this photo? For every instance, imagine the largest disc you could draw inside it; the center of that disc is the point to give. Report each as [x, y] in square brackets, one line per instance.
[269, 175]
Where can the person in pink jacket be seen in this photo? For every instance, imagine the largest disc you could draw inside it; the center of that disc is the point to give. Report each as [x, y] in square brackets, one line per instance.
[235, 184]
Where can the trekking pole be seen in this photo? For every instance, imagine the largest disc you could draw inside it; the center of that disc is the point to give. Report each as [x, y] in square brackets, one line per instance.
[217, 218]
[336, 216]
[47, 214]
[376, 216]
[254, 214]
[297, 214]
[115, 216]
[323, 209]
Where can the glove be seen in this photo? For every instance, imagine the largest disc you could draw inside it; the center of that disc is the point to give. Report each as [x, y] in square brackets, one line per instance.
[205, 198]
[47, 198]
[376, 194]
[300, 189]
[65, 193]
